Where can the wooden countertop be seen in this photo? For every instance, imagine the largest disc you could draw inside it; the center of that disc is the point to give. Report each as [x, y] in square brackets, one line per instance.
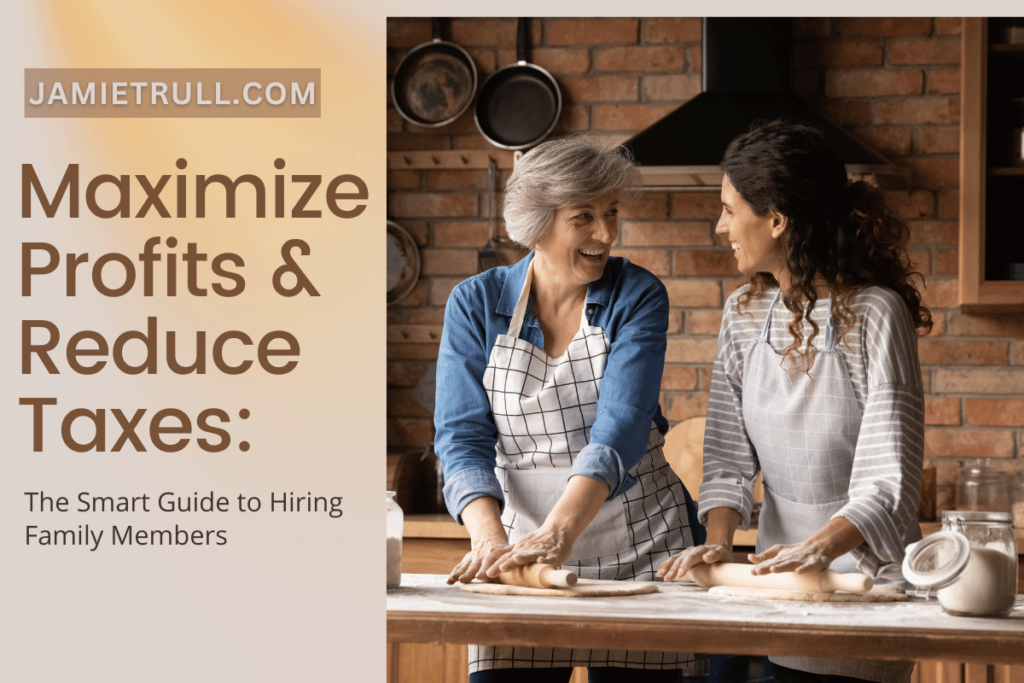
[443, 526]
[685, 617]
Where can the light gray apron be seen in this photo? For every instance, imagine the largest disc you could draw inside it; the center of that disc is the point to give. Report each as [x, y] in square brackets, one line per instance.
[544, 408]
[804, 429]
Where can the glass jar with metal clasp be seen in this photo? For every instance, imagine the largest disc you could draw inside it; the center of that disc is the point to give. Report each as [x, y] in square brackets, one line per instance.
[971, 564]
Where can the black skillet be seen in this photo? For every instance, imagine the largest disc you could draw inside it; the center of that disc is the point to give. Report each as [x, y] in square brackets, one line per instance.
[518, 105]
[435, 82]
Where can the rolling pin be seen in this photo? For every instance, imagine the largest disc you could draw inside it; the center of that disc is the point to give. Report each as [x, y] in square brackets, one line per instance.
[538, 576]
[737, 574]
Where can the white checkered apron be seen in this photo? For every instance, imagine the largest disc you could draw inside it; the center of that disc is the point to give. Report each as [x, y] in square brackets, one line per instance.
[804, 429]
[543, 408]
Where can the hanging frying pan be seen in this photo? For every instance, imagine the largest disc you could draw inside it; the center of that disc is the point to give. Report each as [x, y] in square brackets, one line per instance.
[435, 82]
[518, 106]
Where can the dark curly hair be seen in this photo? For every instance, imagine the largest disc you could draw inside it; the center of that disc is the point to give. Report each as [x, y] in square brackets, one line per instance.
[844, 234]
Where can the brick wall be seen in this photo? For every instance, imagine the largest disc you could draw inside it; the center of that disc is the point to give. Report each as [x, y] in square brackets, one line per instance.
[894, 83]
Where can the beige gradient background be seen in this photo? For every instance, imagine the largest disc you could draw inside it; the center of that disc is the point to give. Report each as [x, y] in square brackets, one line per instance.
[292, 596]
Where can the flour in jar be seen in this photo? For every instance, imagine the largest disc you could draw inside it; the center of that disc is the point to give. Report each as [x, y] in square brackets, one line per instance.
[988, 584]
[394, 562]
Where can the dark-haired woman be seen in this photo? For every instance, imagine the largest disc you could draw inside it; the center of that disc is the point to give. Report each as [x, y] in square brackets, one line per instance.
[816, 380]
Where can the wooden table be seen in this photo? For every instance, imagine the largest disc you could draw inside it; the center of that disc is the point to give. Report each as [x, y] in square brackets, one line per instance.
[684, 617]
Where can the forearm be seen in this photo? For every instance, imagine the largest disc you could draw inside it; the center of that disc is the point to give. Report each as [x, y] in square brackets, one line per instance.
[721, 525]
[483, 521]
[577, 506]
[835, 539]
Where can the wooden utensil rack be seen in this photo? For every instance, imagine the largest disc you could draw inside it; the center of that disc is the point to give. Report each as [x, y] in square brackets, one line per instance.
[449, 160]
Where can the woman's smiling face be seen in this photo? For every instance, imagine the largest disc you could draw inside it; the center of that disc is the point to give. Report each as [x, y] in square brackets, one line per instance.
[579, 241]
[754, 238]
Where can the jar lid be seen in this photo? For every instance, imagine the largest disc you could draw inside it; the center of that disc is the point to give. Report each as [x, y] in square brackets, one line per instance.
[938, 560]
[970, 516]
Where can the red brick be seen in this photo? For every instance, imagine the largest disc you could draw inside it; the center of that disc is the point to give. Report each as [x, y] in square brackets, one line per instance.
[1017, 352]
[442, 205]
[808, 82]
[405, 373]
[935, 172]
[811, 27]
[667, 234]
[705, 262]
[893, 141]
[412, 351]
[947, 262]
[674, 30]
[693, 294]
[679, 87]
[647, 59]
[732, 285]
[403, 403]
[921, 261]
[460, 234]
[684, 406]
[949, 203]
[980, 381]
[557, 60]
[691, 350]
[418, 143]
[918, 110]
[947, 26]
[950, 352]
[419, 230]
[456, 179]
[932, 232]
[940, 294]
[485, 60]
[938, 323]
[600, 88]
[696, 55]
[937, 139]
[630, 117]
[941, 411]
[1006, 325]
[926, 51]
[911, 205]
[441, 287]
[592, 31]
[574, 118]
[883, 27]
[651, 206]
[448, 262]
[425, 316]
[873, 83]
[403, 180]
[675, 321]
[654, 260]
[996, 411]
[969, 443]
[694, 205]
[407, 32]
[704, 321]
[838, 54]
[943, 82]
[679, 378]
[484, 32]
[409, 432]
[926, 380]
[848, 112]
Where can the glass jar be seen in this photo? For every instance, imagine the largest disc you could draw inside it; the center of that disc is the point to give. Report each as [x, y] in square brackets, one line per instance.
[395, 522]
[983, 488]
[971, 564]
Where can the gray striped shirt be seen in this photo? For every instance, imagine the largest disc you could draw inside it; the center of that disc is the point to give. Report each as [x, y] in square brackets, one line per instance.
[881, 354]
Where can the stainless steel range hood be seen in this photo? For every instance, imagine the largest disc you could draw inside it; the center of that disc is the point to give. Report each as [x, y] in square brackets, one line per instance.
[745, 78]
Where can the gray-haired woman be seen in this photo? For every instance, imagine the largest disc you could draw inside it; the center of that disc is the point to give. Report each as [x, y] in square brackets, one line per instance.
[548, 423]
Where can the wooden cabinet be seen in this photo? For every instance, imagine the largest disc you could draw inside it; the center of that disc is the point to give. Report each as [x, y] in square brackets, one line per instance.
[991, 170]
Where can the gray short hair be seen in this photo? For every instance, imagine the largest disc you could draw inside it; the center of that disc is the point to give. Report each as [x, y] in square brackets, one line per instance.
[560, 173]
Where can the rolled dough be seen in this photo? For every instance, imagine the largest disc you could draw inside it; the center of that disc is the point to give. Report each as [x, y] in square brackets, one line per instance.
[876, 594]
[586, 588]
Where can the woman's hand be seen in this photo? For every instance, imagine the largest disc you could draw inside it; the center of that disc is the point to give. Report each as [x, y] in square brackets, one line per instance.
[549, 544]
[478, 561]
[836, 538]
[676, 567]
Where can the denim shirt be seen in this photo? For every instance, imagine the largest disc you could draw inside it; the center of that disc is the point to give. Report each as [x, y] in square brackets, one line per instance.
[628, 303]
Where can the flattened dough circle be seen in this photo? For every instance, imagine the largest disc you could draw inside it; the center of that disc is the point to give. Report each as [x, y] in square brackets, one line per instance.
[586, 588]
[876, 594]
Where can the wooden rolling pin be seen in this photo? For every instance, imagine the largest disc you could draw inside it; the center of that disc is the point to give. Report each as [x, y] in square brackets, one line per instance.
[538, 576]
[737, 574]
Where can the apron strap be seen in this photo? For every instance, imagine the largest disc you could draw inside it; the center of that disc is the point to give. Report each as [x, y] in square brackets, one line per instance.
[831, 336]
[768, 320]
[519, 313]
